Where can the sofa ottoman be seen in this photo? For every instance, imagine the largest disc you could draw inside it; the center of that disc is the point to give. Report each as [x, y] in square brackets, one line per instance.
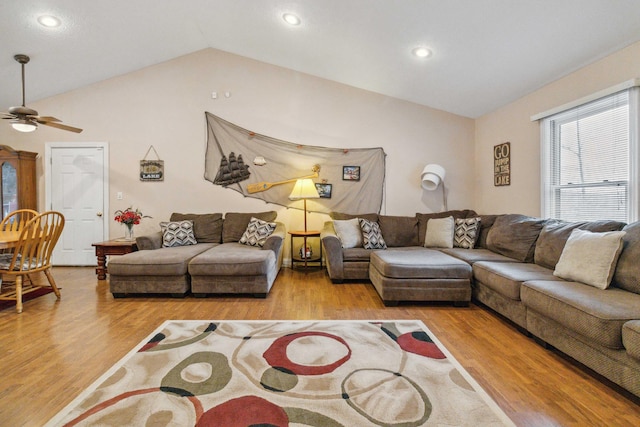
[162, 271]
[420, 274]
[233, 268]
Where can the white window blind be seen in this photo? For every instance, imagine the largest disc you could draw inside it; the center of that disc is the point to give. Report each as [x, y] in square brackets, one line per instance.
[589, 159]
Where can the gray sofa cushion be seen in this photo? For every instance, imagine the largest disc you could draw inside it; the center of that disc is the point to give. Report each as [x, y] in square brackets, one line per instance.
[342, 216]
[399, 231]
[631, 338]
[474, 255]
[506, 278]
[236, 223]
[206, 227]
[554, 235]
[423, 218]
[421, 263]
[593, 313]
[515, 236]
[486, 222]
[233, 259]
[627, 274]
[357, 254]
[157, 262]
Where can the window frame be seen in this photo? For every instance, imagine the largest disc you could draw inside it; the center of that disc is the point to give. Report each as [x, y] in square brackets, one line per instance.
[549, 190]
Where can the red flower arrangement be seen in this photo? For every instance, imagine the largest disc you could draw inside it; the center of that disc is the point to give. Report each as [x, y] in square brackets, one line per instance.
[129, 216]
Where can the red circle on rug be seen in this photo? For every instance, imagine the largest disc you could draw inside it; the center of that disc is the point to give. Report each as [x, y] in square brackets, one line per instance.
[244, 411]
[276, 355]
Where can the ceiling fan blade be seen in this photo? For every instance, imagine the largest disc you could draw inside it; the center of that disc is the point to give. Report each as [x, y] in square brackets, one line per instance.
[63, 127]
[43, 119]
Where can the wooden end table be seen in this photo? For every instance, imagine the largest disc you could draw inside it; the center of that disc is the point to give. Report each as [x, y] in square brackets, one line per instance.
[111, 247]
[297, 258]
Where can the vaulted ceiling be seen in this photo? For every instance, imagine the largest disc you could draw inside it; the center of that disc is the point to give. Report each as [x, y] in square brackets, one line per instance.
[485, 53]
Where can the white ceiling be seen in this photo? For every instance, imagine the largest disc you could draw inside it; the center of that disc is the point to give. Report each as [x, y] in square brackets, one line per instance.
[486, 53]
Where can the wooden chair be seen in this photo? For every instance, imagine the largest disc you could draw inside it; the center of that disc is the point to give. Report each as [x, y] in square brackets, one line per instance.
[16, 220]
[32, 254]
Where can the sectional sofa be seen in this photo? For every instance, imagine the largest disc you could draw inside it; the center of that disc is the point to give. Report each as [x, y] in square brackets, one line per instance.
[218, 261]
[512, 266]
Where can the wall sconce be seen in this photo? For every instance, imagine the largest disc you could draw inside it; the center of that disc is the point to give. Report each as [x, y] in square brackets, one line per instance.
[431, 178]
[304, 189]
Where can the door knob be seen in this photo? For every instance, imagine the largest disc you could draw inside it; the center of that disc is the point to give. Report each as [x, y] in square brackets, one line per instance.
[98, 213]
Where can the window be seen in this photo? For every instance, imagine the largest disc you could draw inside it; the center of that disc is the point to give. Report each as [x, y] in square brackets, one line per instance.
[590, 160]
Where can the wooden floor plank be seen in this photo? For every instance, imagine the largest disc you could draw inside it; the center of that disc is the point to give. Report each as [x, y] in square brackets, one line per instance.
[55, 349]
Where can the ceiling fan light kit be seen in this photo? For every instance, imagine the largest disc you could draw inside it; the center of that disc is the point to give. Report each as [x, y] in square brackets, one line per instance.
[22, 125]
[24, 119]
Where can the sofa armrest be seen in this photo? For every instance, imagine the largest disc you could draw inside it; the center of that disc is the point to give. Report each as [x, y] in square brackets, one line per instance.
[332, 247]
[275, 241]
[150, 241]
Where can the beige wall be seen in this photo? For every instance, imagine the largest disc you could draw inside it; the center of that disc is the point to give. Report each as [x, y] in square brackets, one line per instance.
[164, 105]
[512, 123]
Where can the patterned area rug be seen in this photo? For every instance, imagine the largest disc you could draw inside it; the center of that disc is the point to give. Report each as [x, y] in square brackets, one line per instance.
[268, 373]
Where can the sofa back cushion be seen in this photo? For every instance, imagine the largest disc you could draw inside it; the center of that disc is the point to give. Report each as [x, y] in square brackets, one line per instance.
[627, 274]
[515, 236]
[399, 231]
[554, 235]
[486, 222]
[207, 228]
[343, 216]
[236, 223]
[423, 218]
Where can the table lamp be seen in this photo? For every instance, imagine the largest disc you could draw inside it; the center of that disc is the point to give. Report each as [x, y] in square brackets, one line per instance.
[304, 189]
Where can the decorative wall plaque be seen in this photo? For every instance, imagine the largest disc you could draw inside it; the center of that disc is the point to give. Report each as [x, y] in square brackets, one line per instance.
[151, 170]
[502, 164]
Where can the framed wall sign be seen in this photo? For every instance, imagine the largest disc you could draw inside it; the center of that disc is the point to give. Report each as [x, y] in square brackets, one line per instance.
[151, 170]
[502, 164]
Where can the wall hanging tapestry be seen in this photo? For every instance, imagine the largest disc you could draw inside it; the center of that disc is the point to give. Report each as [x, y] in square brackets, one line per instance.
[268, 373]
[266, 168]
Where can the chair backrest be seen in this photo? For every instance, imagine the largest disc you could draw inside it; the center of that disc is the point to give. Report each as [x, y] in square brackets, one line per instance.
[37, 240]
[16, 220]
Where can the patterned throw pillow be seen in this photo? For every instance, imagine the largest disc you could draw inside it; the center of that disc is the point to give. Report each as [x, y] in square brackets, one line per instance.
[177, 233]
[466, 234]
[371, 234]
[257, 232]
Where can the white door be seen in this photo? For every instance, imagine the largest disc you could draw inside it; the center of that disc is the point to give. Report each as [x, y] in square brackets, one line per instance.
[77, 189]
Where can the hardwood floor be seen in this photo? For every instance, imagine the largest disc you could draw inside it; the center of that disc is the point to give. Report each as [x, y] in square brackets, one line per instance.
[55, 349]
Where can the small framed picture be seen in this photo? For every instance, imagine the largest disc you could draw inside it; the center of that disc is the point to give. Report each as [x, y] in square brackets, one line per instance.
[351, 173]
[324, 190]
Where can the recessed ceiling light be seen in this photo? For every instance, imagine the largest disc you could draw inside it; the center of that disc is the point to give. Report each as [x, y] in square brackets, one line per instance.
[421, 52]
[291, 19]
[49, 21]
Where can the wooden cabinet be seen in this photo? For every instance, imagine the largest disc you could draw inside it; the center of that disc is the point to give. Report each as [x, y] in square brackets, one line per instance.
[17, 180]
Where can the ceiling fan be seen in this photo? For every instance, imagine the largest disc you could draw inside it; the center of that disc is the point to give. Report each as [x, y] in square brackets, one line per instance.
[25, 119]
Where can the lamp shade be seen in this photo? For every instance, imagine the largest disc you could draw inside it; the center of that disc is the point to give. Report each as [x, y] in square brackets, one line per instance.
[431, 177]
[304, 189]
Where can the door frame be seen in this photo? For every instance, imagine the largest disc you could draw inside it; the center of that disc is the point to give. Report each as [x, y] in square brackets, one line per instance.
[49, 146]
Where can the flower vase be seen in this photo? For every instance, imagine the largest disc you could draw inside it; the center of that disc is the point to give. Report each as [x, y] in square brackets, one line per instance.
[128, 232]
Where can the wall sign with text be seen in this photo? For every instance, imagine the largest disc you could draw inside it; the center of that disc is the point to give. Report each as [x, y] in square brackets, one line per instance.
[151, 170]
[502, 164]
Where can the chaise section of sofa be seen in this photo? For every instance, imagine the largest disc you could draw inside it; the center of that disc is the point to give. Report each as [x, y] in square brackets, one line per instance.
[222, 264]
